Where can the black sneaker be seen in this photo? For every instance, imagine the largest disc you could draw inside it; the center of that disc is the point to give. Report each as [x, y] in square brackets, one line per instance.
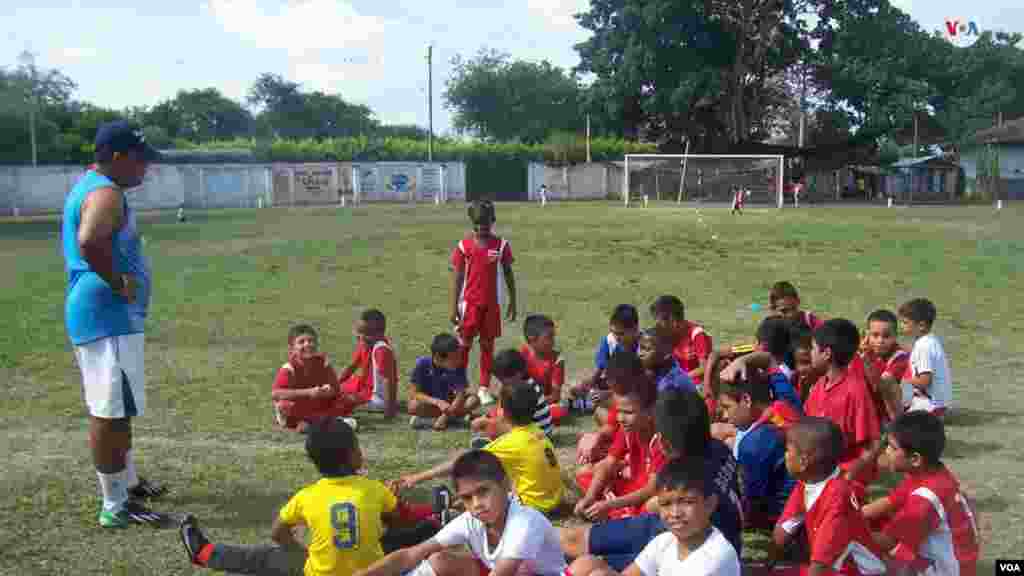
[442, 499]
[132, 513]
[146, 490]
[192, 537]
[479, 442]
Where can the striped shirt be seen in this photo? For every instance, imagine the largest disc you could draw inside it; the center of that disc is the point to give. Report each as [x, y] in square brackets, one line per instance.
[542, 416]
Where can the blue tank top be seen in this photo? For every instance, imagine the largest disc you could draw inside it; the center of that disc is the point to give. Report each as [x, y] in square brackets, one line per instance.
[92, 310]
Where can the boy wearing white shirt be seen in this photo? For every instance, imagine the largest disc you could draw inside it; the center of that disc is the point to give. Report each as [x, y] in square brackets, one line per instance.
[691, 545]
[927, 385]
[505, 538]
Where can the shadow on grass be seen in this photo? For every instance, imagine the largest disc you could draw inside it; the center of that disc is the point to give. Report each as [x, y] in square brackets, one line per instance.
[967, 417]
[991, 503]
[244, 509]
[956, 448]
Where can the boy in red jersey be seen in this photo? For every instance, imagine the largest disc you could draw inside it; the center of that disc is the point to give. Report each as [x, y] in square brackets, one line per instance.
[824, 503]
[306, 387]
[372, 376]
[784, 301]
[691, 344]
[885, 362]
[621, 484]
[843, 396]
[544, 363]
[929, 526]
[481, 263]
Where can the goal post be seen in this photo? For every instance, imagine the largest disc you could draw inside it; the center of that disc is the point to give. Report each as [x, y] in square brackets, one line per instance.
[704, 176]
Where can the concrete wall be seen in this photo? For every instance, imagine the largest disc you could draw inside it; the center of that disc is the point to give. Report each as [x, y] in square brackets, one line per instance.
[594, 181]
[26, 190]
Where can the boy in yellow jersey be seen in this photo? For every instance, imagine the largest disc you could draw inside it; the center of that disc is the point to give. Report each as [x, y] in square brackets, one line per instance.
[525, 452]
[344, 513]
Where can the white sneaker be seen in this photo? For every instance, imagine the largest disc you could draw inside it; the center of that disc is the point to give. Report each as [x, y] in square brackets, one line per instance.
[420, 423]
[279, 417]
[351, 423]
[485, 397]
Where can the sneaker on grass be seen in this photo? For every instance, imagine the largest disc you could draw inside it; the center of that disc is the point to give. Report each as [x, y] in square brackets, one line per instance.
[146, 490]
[194, 540]
[131, 513]
[420, 423]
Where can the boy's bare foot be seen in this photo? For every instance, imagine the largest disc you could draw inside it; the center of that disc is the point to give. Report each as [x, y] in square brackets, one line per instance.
[441, 423]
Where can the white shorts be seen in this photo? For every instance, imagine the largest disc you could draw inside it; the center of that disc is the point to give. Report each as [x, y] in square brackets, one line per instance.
[114, 376]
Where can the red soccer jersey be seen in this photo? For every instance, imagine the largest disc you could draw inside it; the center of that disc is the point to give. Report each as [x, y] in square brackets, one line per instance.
[837, 533]
[848, 402]
[483, 280]
[893, 367]
[810, 320]
[548, 372]
[643, 458]
[296, 374]
[934, 526]
[374, 365]
[692, 347]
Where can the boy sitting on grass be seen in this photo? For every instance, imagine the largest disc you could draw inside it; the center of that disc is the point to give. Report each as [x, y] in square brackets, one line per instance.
[510, 366]
[691, 345]
[929, 526]
[928, 384]
[438, 386]
[504, 538]
[885, 362]
[824, 505]
[623, 328]
[691, 545]
[526, 453]
[372, 375]
[306, 388]
[345, 513]
[544, 363]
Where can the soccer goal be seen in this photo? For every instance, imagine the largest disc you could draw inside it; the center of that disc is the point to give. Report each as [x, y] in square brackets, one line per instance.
[705, 177]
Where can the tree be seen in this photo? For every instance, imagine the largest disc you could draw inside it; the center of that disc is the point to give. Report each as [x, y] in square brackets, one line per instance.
[498, 98]
[200, 116]
[29, 92]
[287, 112]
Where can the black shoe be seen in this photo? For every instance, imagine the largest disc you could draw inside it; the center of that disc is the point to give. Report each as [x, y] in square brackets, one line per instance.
[442, 499]
[132, 513]
[146, 490]
[479, 442]
[192, 537]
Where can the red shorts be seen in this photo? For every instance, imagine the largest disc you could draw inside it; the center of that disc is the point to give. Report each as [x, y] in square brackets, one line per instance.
[479, 320]
[620, 487]
[296, 411]
[557, 413]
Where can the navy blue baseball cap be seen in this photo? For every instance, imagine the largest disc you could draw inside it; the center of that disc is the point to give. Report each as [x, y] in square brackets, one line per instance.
[125, 136]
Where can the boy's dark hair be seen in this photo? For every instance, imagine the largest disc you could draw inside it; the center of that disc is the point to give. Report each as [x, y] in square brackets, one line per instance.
[639, 386]
[782, 290]
[623, 364]
[684, 474]
[519, 401]
[478, 465]
[508, 363]
[920, 432]
[329, 444]
[800, 336]
[822, 436]
[919, 310]
[670, 306]
[625, 315]
[661, 338]
[681, 417]
[884, 316]
[444, 344]
[482, 212]
[773, 333]
[842, 337]
[755, 384]
[301, 330]
[375, 320]
[536, 325]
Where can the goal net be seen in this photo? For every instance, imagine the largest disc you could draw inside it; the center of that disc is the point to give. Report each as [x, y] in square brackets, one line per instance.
[704, 177]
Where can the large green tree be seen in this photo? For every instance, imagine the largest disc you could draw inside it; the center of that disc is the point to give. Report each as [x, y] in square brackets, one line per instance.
[288, 112]
[498, 98]
[200, 116]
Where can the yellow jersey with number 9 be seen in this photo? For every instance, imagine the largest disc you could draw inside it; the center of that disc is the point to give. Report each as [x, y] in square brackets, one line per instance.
[343, 516]
[528, 457]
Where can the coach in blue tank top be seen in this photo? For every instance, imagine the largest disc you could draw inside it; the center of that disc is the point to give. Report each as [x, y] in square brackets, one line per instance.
[107, 297]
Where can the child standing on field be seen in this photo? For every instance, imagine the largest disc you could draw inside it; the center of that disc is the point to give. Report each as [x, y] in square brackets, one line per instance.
[927, 385]
[306, 387]
[481, 263]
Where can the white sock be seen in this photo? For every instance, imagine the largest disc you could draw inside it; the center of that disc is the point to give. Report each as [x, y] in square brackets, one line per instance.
[424, 569]
[114, 489]
[131, 479]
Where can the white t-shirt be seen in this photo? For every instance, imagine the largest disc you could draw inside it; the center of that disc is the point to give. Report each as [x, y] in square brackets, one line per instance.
[528, 536]
[929, 356]
[715, 557]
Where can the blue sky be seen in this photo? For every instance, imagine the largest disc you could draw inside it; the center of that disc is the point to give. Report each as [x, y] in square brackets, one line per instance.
[370, 51]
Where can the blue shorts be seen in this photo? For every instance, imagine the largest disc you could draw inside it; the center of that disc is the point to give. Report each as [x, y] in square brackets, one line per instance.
[619, 542]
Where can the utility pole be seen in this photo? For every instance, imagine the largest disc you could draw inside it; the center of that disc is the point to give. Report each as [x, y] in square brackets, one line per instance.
[28, 60]
[430, 104]
[588, 138]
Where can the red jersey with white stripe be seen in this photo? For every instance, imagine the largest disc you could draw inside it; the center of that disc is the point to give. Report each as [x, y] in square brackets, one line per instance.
[810, 320]
[893, 367]
[376, 363]
[836, 531]
[847, 401]
[548, 372]
[643, 459]
[482, 260]
[935, 527]
[692, 347]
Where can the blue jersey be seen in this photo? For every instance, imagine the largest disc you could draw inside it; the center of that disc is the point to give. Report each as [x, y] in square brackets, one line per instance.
[761, 453]
[437, 382]
[92, 310]
[675, 379]
[782, 389]
[609, 345]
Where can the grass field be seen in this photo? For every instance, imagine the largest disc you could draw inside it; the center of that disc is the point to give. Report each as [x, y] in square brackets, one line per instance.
[228, 285]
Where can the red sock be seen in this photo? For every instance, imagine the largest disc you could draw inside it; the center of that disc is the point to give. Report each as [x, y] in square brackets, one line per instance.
[486, 361]
[204, 555]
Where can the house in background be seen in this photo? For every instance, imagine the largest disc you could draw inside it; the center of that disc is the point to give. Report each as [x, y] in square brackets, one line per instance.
[927, 179]
[1006, 143]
